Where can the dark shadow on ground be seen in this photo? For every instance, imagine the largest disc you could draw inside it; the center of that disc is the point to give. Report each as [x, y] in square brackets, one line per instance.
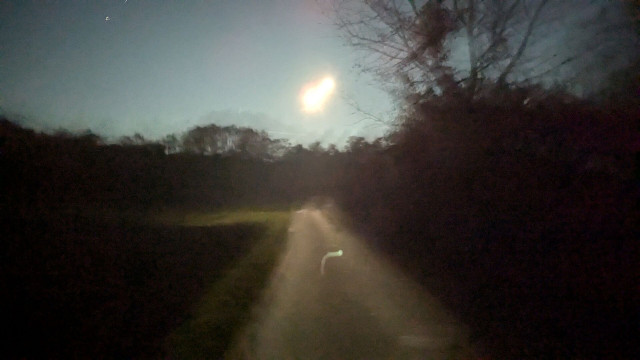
[83, 288]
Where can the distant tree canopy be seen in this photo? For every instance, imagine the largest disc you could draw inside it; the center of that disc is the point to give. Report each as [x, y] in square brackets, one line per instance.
[136, 139]
[206, 166]
[213, 139]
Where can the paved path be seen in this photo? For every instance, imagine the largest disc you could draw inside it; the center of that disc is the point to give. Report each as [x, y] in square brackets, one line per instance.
[361, 308]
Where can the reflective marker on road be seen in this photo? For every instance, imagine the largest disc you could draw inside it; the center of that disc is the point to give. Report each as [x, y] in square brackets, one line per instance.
[328, 255]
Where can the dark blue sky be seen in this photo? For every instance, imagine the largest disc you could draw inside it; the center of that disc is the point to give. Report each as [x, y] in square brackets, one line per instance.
[158, 67]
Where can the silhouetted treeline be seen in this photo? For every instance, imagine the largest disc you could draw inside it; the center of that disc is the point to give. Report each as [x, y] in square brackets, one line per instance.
[521, 208]
[49, 172]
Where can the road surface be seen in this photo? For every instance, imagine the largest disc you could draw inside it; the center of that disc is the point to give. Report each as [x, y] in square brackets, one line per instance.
[361, 308]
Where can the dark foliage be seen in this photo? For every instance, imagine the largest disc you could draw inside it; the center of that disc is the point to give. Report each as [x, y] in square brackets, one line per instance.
[49, 172]
[521, 211]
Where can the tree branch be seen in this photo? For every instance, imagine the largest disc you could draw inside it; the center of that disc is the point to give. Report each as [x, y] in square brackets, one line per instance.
[514, 59]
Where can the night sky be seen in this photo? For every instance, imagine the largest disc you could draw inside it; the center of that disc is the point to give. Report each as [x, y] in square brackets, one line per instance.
[160, 67]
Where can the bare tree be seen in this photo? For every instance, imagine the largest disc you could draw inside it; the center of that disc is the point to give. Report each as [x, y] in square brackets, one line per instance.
[449, 45]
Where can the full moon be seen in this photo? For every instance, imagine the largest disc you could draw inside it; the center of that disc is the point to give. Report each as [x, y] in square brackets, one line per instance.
[315, 95]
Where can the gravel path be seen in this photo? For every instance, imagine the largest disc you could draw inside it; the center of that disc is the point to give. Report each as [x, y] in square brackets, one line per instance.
[361, 308]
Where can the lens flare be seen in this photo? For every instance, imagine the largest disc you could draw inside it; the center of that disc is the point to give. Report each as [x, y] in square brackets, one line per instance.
[315, 95]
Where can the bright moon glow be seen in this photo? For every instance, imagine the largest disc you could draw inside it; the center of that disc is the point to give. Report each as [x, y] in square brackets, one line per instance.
[315, 95]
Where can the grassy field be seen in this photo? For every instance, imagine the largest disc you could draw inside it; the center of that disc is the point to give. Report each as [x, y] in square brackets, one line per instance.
[86, 285]
[226, 305]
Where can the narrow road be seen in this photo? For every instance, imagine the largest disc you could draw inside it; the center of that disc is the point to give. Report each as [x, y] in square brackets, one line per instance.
[361, 308]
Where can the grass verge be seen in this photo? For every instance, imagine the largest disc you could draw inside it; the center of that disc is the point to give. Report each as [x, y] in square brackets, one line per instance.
[226, 305]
